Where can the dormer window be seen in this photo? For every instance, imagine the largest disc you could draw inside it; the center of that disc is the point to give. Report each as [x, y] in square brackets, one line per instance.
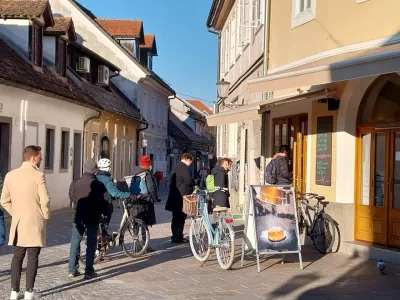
[61, 57]
[149, 61]
[36, 45]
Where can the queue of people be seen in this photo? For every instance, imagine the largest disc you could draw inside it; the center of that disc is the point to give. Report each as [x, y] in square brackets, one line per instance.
[24, 196]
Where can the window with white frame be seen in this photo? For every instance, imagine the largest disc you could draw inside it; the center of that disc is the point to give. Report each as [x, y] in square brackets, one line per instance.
[222, 55]
[226, 58]
[244, 21]
[232, 55]
[256, 15]
[303, 11]
[225, 140]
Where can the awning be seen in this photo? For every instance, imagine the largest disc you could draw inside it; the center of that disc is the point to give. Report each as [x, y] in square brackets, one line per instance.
[251, 111]
[347, 66]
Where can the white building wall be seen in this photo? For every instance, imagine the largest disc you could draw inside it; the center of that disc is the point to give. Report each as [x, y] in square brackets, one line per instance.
[16, 31]
[23, 106]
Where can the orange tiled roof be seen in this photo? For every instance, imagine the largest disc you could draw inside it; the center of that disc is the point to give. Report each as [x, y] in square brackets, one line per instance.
[121, 27]
[200, 106]
[148, 41]
[23, 9]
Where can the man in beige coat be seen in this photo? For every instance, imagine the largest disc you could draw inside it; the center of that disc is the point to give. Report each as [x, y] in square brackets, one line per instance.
[25, 198]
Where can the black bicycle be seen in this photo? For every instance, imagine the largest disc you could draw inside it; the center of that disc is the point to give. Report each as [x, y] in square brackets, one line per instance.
[132, 227]
[320, 227]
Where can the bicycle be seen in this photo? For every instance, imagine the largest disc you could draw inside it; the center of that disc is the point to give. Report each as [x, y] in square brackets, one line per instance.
[203, 235]
[131, 223]
[321, 227]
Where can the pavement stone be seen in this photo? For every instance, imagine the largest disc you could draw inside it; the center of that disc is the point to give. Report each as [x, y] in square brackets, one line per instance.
[172, 272]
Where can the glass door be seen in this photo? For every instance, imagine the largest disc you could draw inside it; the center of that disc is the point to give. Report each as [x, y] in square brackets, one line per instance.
[394, 190]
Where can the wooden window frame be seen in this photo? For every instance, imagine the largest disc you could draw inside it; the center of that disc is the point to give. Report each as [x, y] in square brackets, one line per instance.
[61, 61]
[36, 44]
[49, 165]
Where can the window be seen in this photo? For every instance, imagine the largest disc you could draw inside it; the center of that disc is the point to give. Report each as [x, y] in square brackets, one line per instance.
[131, 156]
[244, 16]
[225, 140]
[222, 55]
[61, 57]
[256, 15]
[226, 62]
[105, 147]
[95, 147]
[36, 45]
[303, 11]
[149, 61]
[64, 149]
[233, 40]
[122, 160]
[49, 154]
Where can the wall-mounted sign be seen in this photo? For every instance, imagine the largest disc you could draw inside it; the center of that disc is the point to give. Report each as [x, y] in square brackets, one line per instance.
[324, 151]
[144, 143]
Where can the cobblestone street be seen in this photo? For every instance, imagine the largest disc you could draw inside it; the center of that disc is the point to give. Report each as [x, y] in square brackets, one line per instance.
[173, 273]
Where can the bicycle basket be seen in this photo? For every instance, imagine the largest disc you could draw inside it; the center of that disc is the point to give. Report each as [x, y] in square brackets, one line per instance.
[138, 209]
[190, 203]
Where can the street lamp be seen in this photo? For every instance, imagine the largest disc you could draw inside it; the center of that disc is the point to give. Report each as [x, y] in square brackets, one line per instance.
[223, 88]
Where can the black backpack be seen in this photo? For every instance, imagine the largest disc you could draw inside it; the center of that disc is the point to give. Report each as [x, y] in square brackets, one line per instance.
[270, 172]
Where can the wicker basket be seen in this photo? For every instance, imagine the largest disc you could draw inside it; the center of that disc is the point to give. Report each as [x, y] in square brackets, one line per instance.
[190, 205]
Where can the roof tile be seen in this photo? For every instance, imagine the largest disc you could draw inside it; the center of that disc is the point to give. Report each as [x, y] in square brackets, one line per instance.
[22, 8]
[187, 131]
[126, 28]
[148, 41]
[15, 69]
[62, 25]
[200, 106]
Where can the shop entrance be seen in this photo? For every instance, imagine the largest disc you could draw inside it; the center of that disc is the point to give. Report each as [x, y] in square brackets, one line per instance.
[378, 153]
[292, 131]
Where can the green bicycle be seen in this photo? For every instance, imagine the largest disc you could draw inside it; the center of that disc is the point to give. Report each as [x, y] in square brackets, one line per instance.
[204, 235]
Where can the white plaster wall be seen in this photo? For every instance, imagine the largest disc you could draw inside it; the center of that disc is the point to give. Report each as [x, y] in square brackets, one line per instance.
[16, 31]
[23, 106]
[49, 49]
[346, 138]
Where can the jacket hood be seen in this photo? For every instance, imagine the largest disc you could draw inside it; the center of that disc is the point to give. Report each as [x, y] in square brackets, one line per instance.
[137, 170]
[217, 169]
[105, 173]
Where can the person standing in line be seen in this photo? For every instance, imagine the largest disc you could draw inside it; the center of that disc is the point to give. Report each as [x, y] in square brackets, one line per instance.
[221, 181]
[283, 175]
[2, 225]
[181, 184]
[89, 196]
[25, 198]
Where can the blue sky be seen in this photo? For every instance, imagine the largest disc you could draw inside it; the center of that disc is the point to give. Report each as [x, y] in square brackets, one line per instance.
[187, 52]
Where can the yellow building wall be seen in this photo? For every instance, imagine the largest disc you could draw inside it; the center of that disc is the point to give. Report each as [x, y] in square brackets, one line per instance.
[338, 23]
[114, 127]
[321, 110]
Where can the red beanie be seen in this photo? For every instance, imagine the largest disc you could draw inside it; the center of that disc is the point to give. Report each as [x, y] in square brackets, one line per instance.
[145, 162]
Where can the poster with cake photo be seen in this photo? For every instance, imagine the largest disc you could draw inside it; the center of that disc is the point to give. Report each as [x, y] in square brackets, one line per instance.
[275, 218]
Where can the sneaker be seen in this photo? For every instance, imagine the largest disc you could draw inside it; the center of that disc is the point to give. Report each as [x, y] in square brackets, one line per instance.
[30, 295]
[74, 274]
[182, 241]
[14, 295]
[90, 276]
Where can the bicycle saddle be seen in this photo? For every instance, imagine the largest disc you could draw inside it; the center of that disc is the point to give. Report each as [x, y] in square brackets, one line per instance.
[220, 209]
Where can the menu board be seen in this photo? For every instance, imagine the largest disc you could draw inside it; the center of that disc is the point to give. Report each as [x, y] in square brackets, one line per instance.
[324, 151]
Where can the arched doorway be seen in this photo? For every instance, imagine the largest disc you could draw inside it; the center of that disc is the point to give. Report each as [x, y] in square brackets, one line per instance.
[378, 155]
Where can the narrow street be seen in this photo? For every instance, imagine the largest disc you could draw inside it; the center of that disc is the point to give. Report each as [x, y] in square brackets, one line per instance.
[173, 273]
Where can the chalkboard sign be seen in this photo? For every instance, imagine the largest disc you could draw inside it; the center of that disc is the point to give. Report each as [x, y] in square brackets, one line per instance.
[324, 151]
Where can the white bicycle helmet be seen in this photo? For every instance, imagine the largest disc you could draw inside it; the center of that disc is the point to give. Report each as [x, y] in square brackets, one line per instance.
[104, 164]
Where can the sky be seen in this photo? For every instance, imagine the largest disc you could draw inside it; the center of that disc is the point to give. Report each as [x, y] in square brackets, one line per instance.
[187, 52]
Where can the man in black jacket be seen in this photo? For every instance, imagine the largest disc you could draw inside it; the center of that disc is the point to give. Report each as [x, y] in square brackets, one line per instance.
[89, 196]
[180, 184]
[283, 175]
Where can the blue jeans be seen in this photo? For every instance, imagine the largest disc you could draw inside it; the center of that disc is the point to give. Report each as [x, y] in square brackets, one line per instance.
[2, 229]
[75, 250]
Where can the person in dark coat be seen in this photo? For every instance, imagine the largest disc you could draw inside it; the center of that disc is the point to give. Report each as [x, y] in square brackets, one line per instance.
[89, 196]
[283, 175]
[181, 183]
[2, 226]
[221, 182]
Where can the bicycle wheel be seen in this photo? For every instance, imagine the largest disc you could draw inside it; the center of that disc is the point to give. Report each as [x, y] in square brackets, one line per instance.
[226, 245]
[137, 232]
[200, 239]
[82, 257]
[324, 233]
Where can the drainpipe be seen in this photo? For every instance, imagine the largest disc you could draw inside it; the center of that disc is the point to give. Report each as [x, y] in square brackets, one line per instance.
[146, 125]
[266, 34]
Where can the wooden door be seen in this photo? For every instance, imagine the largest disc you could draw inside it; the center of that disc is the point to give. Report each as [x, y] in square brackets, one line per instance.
[394, 189]
[372, 201]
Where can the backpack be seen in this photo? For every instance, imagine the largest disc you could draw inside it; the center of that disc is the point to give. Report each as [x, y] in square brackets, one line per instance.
[210, 186]
[270, 172]
[138, 184]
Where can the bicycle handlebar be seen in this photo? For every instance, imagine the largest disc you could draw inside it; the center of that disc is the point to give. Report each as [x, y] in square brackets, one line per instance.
[312, 196]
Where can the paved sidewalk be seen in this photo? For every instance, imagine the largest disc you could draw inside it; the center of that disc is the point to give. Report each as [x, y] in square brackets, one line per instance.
[173, 273]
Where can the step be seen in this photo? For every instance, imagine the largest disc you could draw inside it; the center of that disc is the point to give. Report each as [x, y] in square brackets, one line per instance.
[371, 251]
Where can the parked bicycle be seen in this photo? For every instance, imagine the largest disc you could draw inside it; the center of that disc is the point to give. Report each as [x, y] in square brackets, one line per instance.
[320, 227]
[131, 225]
[204, 235]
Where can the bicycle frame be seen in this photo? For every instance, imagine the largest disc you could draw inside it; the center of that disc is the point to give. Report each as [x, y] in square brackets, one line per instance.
[305, 208]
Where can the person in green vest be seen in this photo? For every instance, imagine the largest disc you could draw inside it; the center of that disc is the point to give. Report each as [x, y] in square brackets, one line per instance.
[2, 226]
